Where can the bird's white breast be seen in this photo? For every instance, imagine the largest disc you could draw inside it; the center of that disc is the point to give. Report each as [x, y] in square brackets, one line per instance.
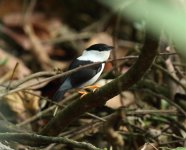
[95, 78]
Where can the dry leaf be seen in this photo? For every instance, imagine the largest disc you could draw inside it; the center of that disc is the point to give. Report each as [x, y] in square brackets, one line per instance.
[115, 102]
[21, 70]
[22, 104]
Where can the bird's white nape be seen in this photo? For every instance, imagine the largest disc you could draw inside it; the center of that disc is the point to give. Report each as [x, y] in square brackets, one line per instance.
[94, 55]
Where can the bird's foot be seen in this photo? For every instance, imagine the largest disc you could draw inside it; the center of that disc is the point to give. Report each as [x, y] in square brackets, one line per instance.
[92, 87]
[82, 93]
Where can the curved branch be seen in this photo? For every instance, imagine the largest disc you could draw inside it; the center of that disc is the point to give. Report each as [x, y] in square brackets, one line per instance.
[39, 140]
[99, 97]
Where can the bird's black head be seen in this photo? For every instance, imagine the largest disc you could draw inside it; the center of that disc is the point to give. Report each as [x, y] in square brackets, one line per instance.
[100, 47]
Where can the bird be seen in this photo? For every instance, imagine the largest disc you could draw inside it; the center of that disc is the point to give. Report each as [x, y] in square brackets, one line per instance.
[87, 76]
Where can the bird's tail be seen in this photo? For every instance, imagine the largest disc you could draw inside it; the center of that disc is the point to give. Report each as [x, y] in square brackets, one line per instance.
[61, 91]
[58, 95]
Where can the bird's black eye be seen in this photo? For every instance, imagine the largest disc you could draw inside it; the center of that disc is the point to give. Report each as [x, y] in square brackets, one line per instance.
[99, 47]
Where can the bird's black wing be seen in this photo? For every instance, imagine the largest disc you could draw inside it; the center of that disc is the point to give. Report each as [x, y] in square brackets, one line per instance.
[82, 76]
[76, 79]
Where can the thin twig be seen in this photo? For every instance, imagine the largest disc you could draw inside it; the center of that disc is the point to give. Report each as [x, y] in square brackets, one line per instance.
[167, 73]
[143, 112]
[32, 76]
[115, 63]
[64, 74]
[14, 70]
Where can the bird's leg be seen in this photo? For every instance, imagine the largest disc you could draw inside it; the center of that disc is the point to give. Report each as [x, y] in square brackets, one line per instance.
[82, 93]
[92, 87]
